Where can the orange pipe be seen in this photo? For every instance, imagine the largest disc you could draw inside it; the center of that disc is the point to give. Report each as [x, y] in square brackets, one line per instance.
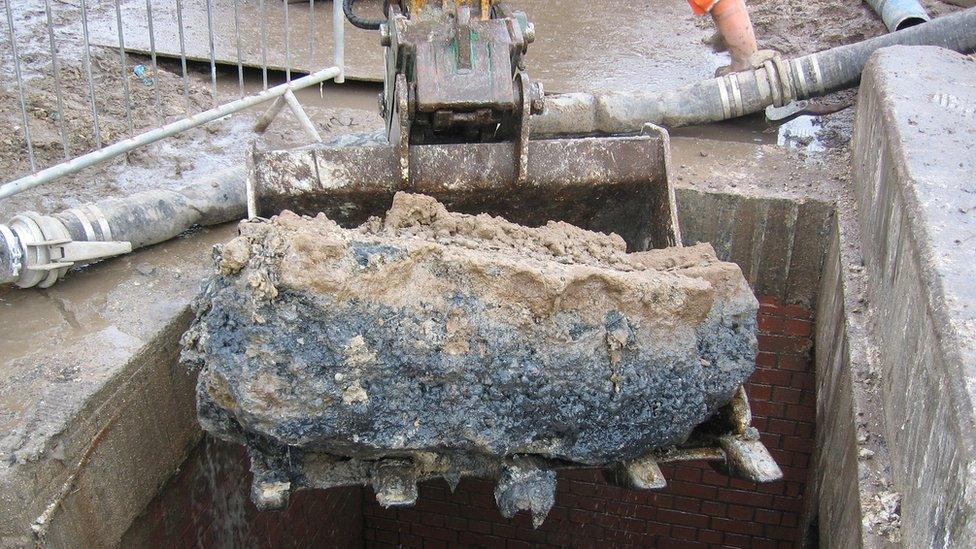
[732, 21]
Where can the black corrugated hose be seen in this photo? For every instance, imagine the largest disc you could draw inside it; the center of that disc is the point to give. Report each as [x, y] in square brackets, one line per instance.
[359, 22]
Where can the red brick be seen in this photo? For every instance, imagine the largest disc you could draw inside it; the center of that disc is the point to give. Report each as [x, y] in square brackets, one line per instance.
[783, 503]
[801, 328]
[690, 474]
[682, 532]
[690, 505]
[737, 540]
[771, 324]
[433, 519]
[767, 516]
[714, 509]
[505, 530]
[766, 360]
[740, 512]
[658, 528]
[776, 378]
[759, 392]
[632, 525]
[804, 381]
[772, 440]
[710, 536]
[786, 395]
[781, 533]
[643, 512]
[746, 498]
[479, 526]
[784, 344]
[768, 409]
[795, 363]
[782, 457]
[692, 490]
[781, 426]
[683, 519]
[580, 516]
[609, 521]
[583, 488]
[457, 523]
[585, 503]
[433, 533]
[378, 523]
[774, 488]
[624, 509]
[713, 478]
[796, 311]
[801, 413]
[681, 544]
[763, 543]
[737, 526]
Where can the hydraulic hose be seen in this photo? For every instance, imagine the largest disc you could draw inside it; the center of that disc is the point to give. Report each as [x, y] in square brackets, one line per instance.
[37, 250]
[359, 22]
[778, 82]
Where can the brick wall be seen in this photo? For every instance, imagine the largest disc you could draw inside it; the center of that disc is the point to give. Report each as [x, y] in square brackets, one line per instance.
[208, 504]
[699, 508]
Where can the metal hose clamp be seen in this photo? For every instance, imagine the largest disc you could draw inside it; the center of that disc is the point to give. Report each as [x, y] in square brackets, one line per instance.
[13, 256]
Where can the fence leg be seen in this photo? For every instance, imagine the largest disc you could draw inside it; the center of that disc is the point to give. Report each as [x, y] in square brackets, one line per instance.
[299, 112]
[263, 121]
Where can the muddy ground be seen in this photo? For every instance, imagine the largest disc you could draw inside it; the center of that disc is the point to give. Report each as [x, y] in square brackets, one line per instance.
[171, 162]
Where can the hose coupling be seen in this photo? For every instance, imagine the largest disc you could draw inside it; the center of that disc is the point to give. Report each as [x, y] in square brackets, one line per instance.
[780, 80]
[38, 250]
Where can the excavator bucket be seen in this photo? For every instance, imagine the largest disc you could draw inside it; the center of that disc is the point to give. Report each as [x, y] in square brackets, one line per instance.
[609, 184]
[426, 342]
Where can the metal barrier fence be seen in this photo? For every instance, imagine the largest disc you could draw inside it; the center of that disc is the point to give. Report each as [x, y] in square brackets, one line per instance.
[282, 94]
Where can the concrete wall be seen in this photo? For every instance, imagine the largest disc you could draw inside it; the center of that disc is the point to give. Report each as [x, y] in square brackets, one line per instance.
[778, 242]
[850, 461]
[915, 160]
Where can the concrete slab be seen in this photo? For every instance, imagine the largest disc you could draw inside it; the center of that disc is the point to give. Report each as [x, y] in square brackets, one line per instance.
[914, 166]
[581, 45]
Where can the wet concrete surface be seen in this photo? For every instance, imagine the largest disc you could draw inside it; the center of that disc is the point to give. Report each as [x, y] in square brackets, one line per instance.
[59, 344]
[581, 45]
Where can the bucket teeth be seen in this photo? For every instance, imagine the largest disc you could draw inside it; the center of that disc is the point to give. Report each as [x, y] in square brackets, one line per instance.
[526, 484]
[395, 483]
[270, 495]
[644, 474]
[749, 459]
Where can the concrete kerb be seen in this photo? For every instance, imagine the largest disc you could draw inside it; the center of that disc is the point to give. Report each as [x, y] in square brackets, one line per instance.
[97, 416]
[914, 140]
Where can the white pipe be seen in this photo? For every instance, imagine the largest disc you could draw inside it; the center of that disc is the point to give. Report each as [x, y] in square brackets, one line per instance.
[126, 145]
[338, 40]
[299, 112]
